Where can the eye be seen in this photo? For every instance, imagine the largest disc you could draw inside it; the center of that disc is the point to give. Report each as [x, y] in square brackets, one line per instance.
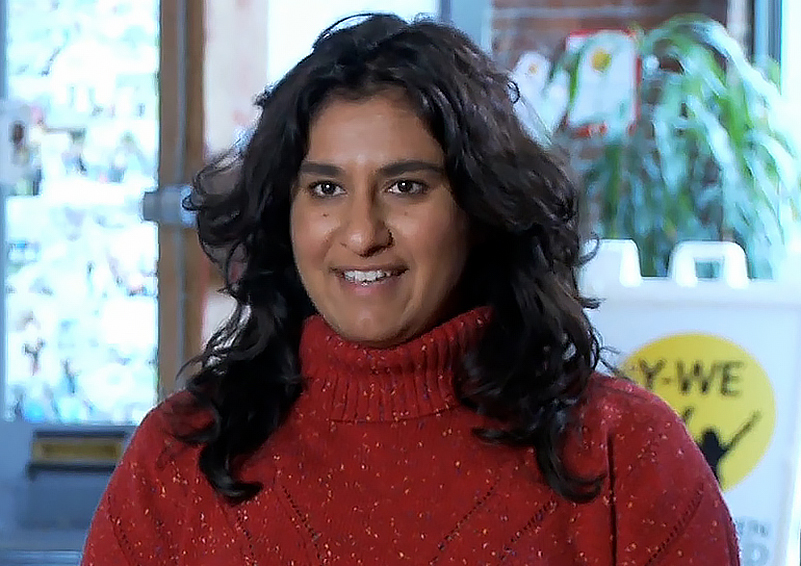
[325, 189]
[407, 187]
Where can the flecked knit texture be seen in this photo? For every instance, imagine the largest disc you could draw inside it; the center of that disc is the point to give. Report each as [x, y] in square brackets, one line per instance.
[377, 464]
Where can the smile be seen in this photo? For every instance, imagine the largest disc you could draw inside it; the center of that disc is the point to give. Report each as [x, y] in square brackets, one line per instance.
[362, 277]
[369, 278]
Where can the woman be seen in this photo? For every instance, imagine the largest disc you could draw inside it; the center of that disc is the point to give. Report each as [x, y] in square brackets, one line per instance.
[409, 376]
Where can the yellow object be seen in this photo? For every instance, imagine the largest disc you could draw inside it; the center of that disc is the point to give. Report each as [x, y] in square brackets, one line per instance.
[721, 392]
[600, 60]
[76, 450]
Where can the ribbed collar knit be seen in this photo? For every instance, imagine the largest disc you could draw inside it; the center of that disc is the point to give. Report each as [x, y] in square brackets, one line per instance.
[351, 382]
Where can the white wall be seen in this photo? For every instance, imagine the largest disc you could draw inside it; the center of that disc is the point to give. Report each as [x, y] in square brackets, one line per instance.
[292, 26]
[235, 67]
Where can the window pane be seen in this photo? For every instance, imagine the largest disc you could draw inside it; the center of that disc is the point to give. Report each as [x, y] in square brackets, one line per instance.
[293, 26]
[81, 264]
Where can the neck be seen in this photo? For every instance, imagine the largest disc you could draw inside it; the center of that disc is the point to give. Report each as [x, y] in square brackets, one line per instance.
[353, 382]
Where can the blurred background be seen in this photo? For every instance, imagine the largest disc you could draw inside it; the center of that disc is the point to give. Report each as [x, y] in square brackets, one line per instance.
[680, 119]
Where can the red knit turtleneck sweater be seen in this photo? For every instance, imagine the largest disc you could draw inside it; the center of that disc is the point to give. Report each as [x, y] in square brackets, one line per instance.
[377, 464]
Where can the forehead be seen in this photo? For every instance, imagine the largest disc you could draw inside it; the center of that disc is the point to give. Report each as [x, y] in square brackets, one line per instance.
[382, 126]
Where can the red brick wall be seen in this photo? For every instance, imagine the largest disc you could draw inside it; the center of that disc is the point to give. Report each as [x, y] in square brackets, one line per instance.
[542, 25]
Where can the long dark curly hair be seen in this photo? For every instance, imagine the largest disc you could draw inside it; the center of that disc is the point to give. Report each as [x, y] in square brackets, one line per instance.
[539, 351]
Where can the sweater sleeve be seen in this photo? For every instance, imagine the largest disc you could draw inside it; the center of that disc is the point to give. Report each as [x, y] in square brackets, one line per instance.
[102, 545]
[669, 510]
[132, 524]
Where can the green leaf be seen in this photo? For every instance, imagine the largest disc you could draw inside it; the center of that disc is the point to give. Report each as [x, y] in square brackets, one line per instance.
[712, 154]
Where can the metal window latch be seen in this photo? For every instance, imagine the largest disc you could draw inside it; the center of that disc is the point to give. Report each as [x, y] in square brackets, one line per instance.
[165, 206]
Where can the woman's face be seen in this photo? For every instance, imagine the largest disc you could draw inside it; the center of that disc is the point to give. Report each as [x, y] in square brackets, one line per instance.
[378, 239]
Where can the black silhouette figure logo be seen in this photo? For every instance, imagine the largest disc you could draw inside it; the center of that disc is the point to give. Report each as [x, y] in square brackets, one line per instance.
[721, 391]
[711, 444]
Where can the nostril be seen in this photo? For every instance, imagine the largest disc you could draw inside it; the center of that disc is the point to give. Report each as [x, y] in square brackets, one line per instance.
[366, 237]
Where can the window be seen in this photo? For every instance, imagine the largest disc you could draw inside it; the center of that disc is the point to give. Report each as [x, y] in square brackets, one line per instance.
[81, 265]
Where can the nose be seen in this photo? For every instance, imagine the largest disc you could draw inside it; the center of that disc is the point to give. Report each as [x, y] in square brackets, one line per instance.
[365, 228]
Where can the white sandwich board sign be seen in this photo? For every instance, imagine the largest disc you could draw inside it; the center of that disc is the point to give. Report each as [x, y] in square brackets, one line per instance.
[725, 353]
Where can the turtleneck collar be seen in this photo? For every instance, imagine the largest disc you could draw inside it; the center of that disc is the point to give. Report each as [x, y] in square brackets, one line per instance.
[351, 382]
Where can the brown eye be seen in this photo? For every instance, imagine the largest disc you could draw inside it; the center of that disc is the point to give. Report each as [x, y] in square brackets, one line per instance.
[325, 189]
[406, 187]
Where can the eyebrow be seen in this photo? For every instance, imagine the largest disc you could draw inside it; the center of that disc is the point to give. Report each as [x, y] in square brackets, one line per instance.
[389, 170]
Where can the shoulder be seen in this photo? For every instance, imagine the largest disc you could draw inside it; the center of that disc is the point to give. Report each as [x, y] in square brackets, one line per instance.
[609, 395]
[622, 408]
[147, 495]
[157, 434]
[155, 455]
[623, 427]
[654, 474]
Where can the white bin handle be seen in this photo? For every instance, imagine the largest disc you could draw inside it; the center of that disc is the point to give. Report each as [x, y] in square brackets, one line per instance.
[616, 263]
[730, 256]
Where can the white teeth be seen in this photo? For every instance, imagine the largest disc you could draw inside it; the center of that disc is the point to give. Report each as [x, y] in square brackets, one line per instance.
[366, 276]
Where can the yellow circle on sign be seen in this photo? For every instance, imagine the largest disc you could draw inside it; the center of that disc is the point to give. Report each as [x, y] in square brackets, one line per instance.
[600, 60]
[721, 392]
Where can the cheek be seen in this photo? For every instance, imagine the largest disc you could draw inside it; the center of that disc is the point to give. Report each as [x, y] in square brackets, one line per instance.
[309, 233]
[439, 239]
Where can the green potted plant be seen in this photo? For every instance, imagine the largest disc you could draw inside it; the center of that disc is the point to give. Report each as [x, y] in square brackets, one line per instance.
[705, 154]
